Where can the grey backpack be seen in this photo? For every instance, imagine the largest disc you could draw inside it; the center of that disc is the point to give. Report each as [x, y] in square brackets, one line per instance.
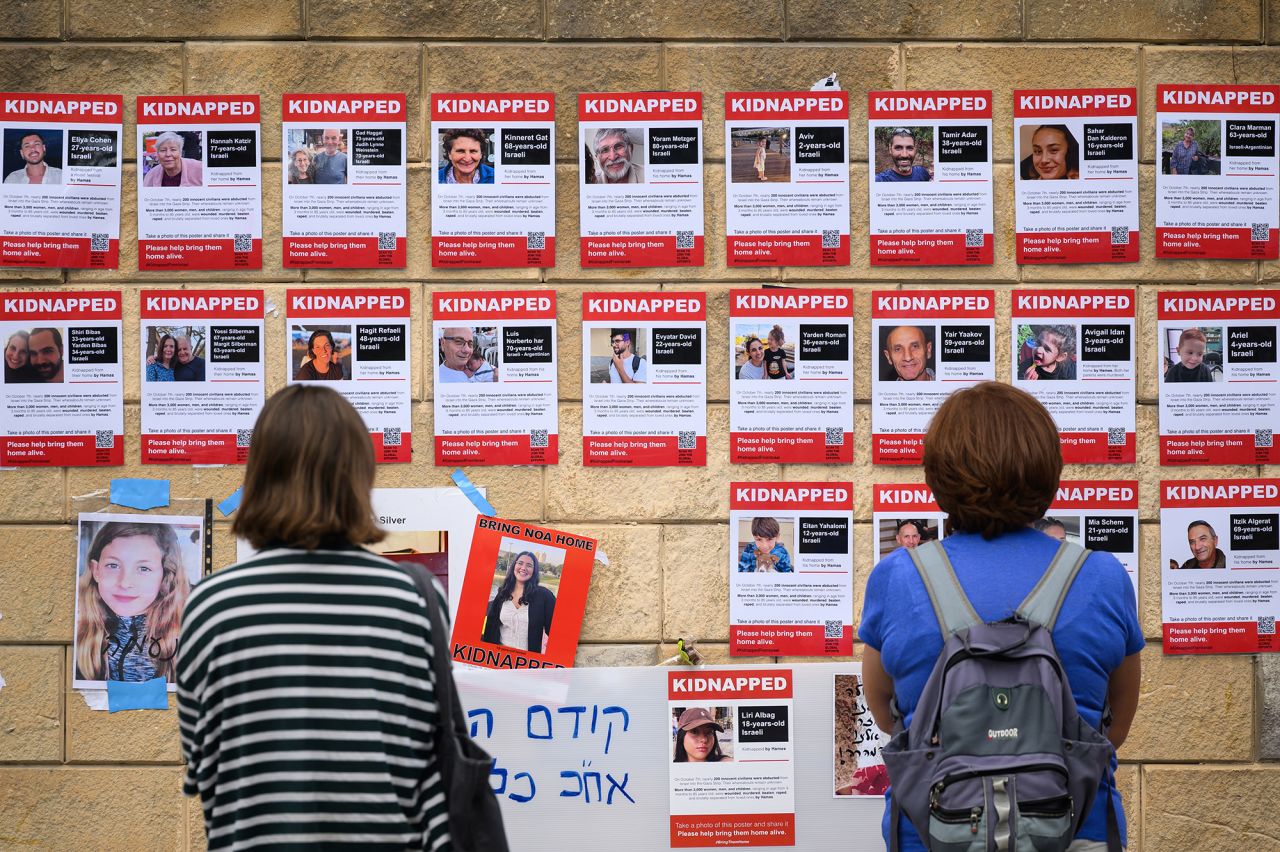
[997, 757]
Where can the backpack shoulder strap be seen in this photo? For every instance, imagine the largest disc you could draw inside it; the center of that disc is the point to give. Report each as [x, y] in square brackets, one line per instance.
[950, 604]
[1045, 600]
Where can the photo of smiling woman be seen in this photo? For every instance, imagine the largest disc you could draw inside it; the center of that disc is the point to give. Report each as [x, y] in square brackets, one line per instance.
[465, 152]
[698, 735]
[519, 614]
[135, 574]
[1052, 153]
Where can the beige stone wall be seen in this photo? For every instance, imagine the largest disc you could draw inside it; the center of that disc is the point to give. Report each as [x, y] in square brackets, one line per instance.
[1195, 773]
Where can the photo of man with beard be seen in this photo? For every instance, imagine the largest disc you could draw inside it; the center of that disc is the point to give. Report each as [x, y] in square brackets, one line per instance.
[619, 159]
[903, 152]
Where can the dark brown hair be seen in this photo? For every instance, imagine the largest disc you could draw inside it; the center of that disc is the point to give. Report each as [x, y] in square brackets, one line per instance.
[992, 458]
[309, 474]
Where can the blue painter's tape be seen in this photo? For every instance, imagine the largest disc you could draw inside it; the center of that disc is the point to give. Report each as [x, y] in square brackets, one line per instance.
[473, 494]
[229, 505]
[148, 695]
[140, 493]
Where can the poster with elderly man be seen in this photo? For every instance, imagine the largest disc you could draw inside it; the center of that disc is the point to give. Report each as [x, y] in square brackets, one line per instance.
[199, 183]
[640, 179]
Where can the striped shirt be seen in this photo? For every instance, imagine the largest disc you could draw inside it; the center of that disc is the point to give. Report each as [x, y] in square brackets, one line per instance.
[306, 704]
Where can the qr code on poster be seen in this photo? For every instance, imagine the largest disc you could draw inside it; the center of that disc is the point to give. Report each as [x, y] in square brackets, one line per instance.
[386, 241]
[391, 437]
[1120, 235]
[684, 239]
[1115, 436]
[1259, 232]
[104, 439]
[99, 242]
[538, 439]
[973, 238]
[537, 240]
[244, 437]
[835, 436]
[1263, 438]
[832, 629]
[1266, 625]
[831, 239]
[243, 243]
[686, 440]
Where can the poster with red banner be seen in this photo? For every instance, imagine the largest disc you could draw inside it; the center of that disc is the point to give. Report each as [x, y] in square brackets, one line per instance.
[344, 181]
[791, 376]
[904, 515]
[1073, 351]
[640, 179]
[1097, 514]
[1076, 175]
[787, 178]
[1219, 376]
[60, 194]
[63, 400]
[644, 379]
[495, 377]
[1219, 559]
[732, 757]
[790, 569]
[202, 375]
[199, 183]
[1216, 171]
[930, 187]
[493, 192]
[927, 344]
[356, 340]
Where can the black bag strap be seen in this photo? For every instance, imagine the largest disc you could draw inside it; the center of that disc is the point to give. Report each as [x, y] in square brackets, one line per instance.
[449, 708]
[950, 603]
[635, 364]
[1044, 601]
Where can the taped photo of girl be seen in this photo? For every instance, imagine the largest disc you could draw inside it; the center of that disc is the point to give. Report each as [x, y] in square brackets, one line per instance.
[519, 613]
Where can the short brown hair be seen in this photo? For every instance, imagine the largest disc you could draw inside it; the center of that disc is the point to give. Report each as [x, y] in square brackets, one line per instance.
[765, 528]
[992, 458]
[309, 474]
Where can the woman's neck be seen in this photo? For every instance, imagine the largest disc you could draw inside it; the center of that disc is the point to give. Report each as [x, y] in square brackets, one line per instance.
[517, 591]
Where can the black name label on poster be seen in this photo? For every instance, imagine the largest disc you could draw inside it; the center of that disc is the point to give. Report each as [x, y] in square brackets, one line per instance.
[93, 345]
[380, 342]
[824, 342]
[820, 145]
[1255, 531]
[526, 146]
[1251, 344]
[759, 723]
[1104, 343]
[1109, 534]
[962, 144]
[677, 346]
[375, 146]
[966, 343]
[526, 344]
[824, 535]
[92, 148]
[233, 344]
[229, 149]
[1251, 138]
[1108, 141]
[673, 146]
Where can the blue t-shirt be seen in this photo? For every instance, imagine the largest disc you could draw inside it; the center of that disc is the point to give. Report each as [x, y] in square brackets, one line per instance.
[918, 173]
[1096, 629]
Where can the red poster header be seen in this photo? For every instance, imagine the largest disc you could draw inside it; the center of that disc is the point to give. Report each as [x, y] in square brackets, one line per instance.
[786, 105]
[1074, 103]
[370, 107]
[1073, 303]
[791, 303]
[1218, 304]
[533, 106]
[903, 498]
[702, 685]
[1219, 100]
[532, 304]
[1096, 494]
[199, 109]
[1219, 493]
[642, 106]
[644, 306]
[202, 304]
[83, 109]
[75, 305]
[908, 304]
[348, 302]
[944, 104]
[831, 496]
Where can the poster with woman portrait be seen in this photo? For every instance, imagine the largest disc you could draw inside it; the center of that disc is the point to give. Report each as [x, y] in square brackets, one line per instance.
[133, 576]
[199, 182]
[493, 157]
[1076, 175]
[523, 596]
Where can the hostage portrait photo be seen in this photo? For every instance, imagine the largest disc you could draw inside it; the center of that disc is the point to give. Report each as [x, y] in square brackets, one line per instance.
[522, 604]
[35, 355]
[172, 158]
[1049, 152]
[613, 155]
[320, 353]
[701, 734]
[468, 354]
[466, 155]
[766, 545]
[174, 353]
[759, 154]
[1192, 354]
[903, 154]
[33, 156]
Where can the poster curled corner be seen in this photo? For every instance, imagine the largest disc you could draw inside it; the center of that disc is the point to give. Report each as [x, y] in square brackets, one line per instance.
[601, 556]
[94, 699]
[830, 83]
[1, 681]
[270, 308]
[477, 499]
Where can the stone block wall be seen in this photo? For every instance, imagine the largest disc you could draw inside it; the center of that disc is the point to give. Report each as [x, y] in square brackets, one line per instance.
[1198, 772]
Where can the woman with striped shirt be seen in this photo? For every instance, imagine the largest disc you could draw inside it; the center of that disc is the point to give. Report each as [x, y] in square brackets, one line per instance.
[306, 699]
